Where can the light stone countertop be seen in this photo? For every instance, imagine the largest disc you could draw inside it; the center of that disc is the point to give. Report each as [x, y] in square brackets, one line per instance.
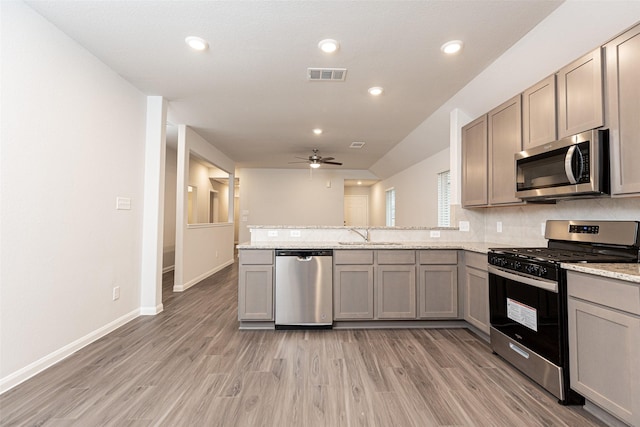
[627, 272]
[467, 246]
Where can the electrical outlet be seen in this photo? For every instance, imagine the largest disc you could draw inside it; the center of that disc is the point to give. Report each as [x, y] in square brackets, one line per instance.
[216, 254]
[499, 226]
[434, 233]
[116, 293]
[543, 227]
[295, 233]
[272, 233]
[463, 225]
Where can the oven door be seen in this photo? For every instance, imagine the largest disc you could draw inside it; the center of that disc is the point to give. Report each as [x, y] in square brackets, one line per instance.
[527, 310]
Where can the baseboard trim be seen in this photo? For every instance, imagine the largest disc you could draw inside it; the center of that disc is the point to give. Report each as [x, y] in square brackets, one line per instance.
[198, 279]
[23, 374]
[151, 311]
[168, 269]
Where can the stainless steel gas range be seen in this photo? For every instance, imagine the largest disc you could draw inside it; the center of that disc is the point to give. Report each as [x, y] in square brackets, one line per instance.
[528, 296]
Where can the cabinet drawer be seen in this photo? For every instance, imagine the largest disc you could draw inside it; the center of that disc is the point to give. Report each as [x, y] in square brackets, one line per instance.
[438, 257]
[396, 257]
[256, 257]
[475, 260]
[612, 293]
[352, 257]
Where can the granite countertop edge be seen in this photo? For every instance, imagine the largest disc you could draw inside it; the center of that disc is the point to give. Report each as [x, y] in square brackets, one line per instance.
[468, 246]
[629, 272]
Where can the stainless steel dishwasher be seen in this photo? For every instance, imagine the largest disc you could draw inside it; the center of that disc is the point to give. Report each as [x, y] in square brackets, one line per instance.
[304, 289]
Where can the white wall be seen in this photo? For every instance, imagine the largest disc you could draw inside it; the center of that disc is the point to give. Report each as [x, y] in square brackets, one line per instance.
[290, 197]
[73, 136]
[201, 249]
[416, 193]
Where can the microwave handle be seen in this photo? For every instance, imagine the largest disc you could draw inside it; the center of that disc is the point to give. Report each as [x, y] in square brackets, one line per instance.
[568, 169]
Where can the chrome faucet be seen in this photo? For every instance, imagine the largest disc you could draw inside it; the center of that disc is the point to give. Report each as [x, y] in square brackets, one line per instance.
[366, 235]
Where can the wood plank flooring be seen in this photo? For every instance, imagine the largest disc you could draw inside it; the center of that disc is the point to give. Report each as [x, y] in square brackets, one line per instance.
[191, 366]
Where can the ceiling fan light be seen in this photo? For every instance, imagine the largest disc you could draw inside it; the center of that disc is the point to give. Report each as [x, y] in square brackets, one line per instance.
[314, 165]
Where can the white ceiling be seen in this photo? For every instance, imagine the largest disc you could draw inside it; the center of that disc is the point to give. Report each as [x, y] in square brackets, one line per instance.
[249, 95]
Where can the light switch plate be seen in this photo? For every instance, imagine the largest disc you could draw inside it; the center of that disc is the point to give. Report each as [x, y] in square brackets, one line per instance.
[543, 226]
[434, 233]
[123, 203]
[499, 226]
[463, 225]
[295, 233]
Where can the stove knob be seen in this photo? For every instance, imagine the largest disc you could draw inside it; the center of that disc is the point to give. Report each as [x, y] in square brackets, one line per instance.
[543, 272]
[517, 265]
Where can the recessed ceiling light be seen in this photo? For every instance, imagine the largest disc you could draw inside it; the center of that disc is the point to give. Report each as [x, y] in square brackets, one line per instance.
[196, 43]
[359, 182]
[376, 90]
[328, 45]
[317, 131]
[451, 47]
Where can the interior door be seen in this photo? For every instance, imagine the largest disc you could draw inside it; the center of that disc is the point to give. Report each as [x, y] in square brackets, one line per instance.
[356, 210]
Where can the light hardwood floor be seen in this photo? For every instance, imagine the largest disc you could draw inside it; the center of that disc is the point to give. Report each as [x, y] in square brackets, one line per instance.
[191, 366]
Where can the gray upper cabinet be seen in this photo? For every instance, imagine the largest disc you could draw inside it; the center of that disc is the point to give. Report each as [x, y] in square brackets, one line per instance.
[539, 113]
[580, 100]
[474, 163]
[505, 140]
[623, 94]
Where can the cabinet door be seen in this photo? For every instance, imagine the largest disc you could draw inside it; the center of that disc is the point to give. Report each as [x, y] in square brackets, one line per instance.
[505, 140]
[396, 292]
[477, 298]
[255, 292]
[604, 362]
[352, 292]
[474, 163]
[438, 291]
[623, 93]
[539, 113]
[580, 103]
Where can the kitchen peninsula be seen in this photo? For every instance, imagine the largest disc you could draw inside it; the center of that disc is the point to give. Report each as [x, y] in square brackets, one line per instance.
[382, 276]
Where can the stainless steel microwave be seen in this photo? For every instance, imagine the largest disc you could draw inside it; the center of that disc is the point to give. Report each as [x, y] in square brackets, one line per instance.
[572, 167]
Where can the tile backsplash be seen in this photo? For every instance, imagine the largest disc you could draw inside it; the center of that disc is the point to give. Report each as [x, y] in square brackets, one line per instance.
[522, 225]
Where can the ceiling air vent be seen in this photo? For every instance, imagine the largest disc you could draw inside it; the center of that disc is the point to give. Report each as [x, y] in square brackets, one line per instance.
[326, 74]
[356, 145]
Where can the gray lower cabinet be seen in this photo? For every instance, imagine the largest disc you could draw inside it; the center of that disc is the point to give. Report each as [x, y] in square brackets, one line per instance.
[353, 285]
[623, 93]
[395, 284]
[438, 284]
[255, 285]
[604, 343]
[580, 98]
[476, 288]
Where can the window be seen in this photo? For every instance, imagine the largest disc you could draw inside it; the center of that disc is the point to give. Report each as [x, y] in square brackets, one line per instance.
[391, 207]
[444, 199]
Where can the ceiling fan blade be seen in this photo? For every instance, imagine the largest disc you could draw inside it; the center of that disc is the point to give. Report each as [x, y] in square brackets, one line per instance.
[332, 163]
[327, 158]
[302, 158]
[306, 161]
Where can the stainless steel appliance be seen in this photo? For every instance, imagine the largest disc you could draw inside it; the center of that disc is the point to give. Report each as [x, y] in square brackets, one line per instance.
[576, 166]
[528, 296]
[304, 289]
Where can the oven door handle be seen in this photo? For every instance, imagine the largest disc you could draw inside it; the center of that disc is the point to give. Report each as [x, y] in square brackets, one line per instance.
[538, 283]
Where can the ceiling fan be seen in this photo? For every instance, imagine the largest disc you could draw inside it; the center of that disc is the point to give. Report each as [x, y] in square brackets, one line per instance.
[315, 160]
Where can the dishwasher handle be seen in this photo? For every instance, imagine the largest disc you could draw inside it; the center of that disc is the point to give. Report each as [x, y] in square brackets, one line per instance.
[302, 258]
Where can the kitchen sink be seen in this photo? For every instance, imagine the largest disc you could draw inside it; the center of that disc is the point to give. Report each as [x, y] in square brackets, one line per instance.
[368, 243]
